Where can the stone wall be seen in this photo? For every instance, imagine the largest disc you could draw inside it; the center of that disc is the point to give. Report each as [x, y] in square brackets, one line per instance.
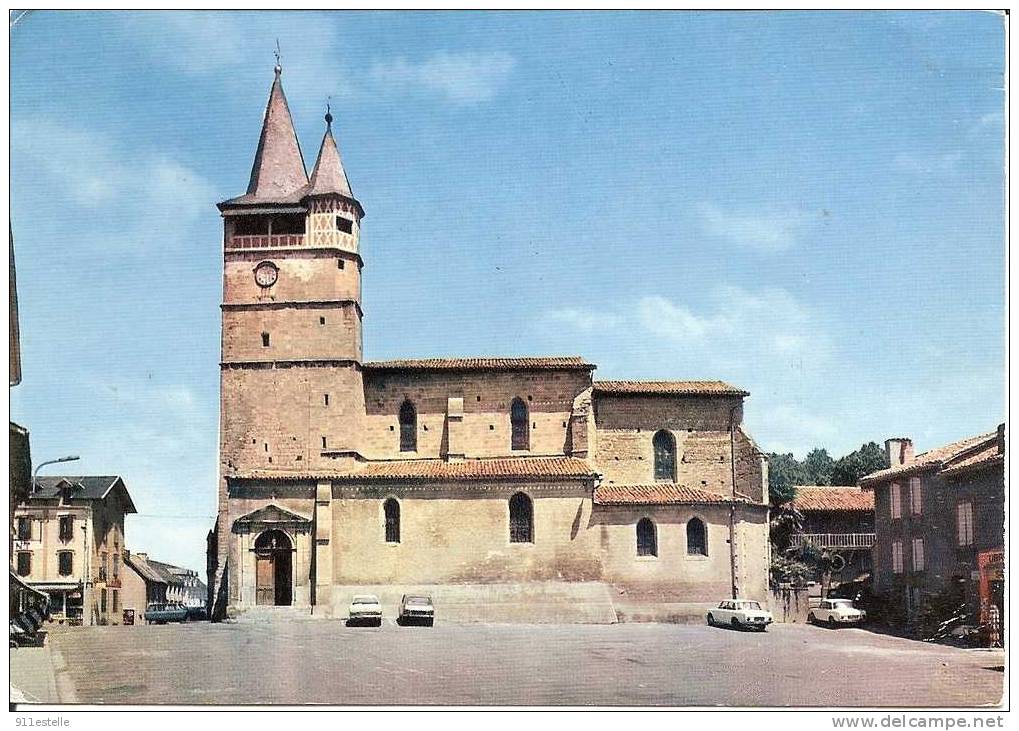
[626, 425]
[460, 534]
[487, 397]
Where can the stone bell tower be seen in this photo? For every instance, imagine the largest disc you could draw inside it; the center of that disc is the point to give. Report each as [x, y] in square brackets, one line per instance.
[291, 394]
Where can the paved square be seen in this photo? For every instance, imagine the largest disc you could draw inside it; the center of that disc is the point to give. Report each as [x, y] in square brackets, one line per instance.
[307, 662]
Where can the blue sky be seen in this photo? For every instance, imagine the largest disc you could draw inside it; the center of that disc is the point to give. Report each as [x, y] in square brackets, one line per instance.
[807, 205]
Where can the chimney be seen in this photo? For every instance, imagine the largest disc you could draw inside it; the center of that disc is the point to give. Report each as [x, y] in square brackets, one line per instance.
[1001, 438]
[142, 556]
[899, 450]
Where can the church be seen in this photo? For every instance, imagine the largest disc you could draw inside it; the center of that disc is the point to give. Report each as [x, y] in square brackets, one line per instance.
[510, 489]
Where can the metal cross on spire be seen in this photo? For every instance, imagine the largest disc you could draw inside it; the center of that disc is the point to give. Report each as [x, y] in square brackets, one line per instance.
[279, 66]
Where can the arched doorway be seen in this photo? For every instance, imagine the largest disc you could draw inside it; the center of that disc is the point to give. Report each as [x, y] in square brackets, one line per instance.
[274, 569]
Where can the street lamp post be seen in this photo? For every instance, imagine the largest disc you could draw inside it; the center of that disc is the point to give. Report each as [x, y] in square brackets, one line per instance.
[35, 475]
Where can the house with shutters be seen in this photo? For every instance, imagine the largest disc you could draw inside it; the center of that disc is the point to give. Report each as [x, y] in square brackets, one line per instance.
[939, 523]
[69, 543]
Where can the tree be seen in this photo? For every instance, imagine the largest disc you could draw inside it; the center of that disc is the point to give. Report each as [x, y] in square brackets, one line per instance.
[849, 469]
[819, 467]
[784, 473]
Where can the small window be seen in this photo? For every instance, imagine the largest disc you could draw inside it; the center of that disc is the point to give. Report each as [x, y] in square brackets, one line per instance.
[66, 527]
[408, 427]
[521, 514]
[696, 538]
[339, 263]
[964, 523]
[647, 538]
[915, 496]
[897, 557]
[65, 563]
[325, 398]
[116, 600]
[344, 224]
[265, 340]
[391, 508]
[116, 566]
[24, 563]
[665, 456]
[321, 321]
[102, 601]
[104, 566]
[24, 529]
[323, 442]
[918, 562]
[519, 419]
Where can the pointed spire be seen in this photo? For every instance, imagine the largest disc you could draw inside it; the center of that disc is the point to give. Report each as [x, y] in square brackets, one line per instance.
[328, 175]
[278, 171]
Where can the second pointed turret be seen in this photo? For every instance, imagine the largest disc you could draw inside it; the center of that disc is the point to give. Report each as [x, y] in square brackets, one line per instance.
[329, 177]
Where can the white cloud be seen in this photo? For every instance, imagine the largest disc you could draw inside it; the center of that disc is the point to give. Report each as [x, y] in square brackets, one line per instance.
[770, 230]
[144, 194]
[738, 318]
[462, 78]
[794, 429]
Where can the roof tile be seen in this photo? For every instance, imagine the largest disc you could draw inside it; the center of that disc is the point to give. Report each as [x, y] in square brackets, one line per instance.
[934, 459]
[572, 362]
[668, 388]
[824, 498]
[657, 494]
[549, 468]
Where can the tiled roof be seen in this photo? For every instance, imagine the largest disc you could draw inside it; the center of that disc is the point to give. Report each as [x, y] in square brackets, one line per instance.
[829, 498]
[86, 487]
[278, 172]
[572, 362]
[669, 388]
[438, 470]
[657, 494]
[148, 570]
[987, 456]
[934, 459]
[329, 175]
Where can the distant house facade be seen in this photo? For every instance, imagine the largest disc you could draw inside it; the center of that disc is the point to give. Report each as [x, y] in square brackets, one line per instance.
[940, 523]
[839, 520]
[69, 542]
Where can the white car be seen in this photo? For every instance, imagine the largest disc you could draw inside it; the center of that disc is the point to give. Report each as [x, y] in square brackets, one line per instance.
[836, 612]
[740, 613]
[365, 609]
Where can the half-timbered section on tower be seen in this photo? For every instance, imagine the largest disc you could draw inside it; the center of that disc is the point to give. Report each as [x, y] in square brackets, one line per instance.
[508, 488]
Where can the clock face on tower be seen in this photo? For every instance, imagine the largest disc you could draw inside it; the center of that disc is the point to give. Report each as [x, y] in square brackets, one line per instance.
[266, 273]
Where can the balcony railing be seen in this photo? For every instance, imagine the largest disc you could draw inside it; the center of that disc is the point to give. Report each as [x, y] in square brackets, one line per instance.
[835, 540]
[265, 241]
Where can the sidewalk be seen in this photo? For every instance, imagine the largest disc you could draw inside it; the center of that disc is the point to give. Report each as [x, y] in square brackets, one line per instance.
[33, 676]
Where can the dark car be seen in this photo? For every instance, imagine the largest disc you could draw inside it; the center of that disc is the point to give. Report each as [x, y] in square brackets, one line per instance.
[416, 609]
[161, 613]
[197, 614]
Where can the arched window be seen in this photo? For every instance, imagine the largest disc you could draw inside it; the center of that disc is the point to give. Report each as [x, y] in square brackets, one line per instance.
[521, 514]
[392, 511]
[408, 427]
[519, 422]
[696, 538]
[665, 456]
[647, 538]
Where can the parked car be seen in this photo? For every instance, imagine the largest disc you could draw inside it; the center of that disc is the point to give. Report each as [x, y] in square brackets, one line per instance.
[365, 609]
[197, 614]
[836, 612]
[740, 613]
[161, 613]
[414, 608]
